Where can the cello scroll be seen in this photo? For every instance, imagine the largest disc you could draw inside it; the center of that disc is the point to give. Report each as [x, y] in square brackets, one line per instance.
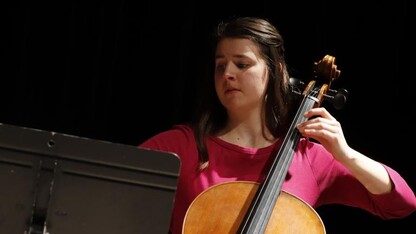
[325, 70]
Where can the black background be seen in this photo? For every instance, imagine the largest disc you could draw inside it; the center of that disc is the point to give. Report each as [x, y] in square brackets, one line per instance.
[121, 71]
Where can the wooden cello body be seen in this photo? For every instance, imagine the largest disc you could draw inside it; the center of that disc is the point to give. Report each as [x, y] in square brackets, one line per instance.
[250, 207]
[221, 209]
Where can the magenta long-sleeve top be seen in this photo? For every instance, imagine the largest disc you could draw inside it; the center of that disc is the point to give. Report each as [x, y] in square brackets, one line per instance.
[314, 175]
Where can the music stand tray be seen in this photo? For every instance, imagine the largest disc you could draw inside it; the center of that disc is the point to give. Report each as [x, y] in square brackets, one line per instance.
[54, 183]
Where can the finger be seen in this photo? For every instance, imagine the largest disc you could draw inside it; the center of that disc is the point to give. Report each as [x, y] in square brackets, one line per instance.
[320, 128]
[318, 120]
[320, 132]
[319, 111]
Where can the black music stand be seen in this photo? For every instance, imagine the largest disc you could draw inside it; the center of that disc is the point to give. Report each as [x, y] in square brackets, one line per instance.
[53, 183]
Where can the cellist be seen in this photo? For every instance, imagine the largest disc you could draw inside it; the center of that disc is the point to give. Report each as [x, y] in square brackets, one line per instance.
[243, 118]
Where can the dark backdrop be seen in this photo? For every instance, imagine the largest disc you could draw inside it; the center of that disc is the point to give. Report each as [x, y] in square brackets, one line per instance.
[124, 70]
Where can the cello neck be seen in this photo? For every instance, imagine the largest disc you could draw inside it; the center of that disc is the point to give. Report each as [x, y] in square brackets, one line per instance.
[260, 210]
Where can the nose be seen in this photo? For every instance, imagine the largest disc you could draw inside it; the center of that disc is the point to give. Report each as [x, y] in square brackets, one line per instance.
[229, 72]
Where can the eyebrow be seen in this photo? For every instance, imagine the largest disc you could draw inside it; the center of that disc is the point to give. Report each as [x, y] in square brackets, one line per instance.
[234, 56]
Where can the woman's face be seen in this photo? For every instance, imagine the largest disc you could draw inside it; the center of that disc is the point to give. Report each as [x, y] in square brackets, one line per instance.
[241, 74]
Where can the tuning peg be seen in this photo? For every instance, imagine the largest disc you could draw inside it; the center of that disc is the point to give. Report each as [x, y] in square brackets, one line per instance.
[338, 98]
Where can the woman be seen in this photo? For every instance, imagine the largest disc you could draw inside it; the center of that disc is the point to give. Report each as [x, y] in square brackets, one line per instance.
[244, 122]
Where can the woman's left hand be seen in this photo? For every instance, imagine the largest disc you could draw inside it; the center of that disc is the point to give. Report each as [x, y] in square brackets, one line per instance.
[323, 127]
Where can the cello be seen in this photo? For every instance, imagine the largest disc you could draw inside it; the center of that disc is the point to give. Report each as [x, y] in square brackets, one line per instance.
[250, 207]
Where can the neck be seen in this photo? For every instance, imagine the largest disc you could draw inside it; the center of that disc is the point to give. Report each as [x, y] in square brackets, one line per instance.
[247, 135]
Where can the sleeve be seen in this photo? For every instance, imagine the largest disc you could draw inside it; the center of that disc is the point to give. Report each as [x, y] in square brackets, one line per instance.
[174, 140]
[339, 186]
[400, 202]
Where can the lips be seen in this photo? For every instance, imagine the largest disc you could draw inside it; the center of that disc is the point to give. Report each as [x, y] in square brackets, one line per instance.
[229, 90]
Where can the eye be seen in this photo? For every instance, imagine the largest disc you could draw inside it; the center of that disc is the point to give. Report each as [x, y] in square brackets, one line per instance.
[242, 65]
[220, 67]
